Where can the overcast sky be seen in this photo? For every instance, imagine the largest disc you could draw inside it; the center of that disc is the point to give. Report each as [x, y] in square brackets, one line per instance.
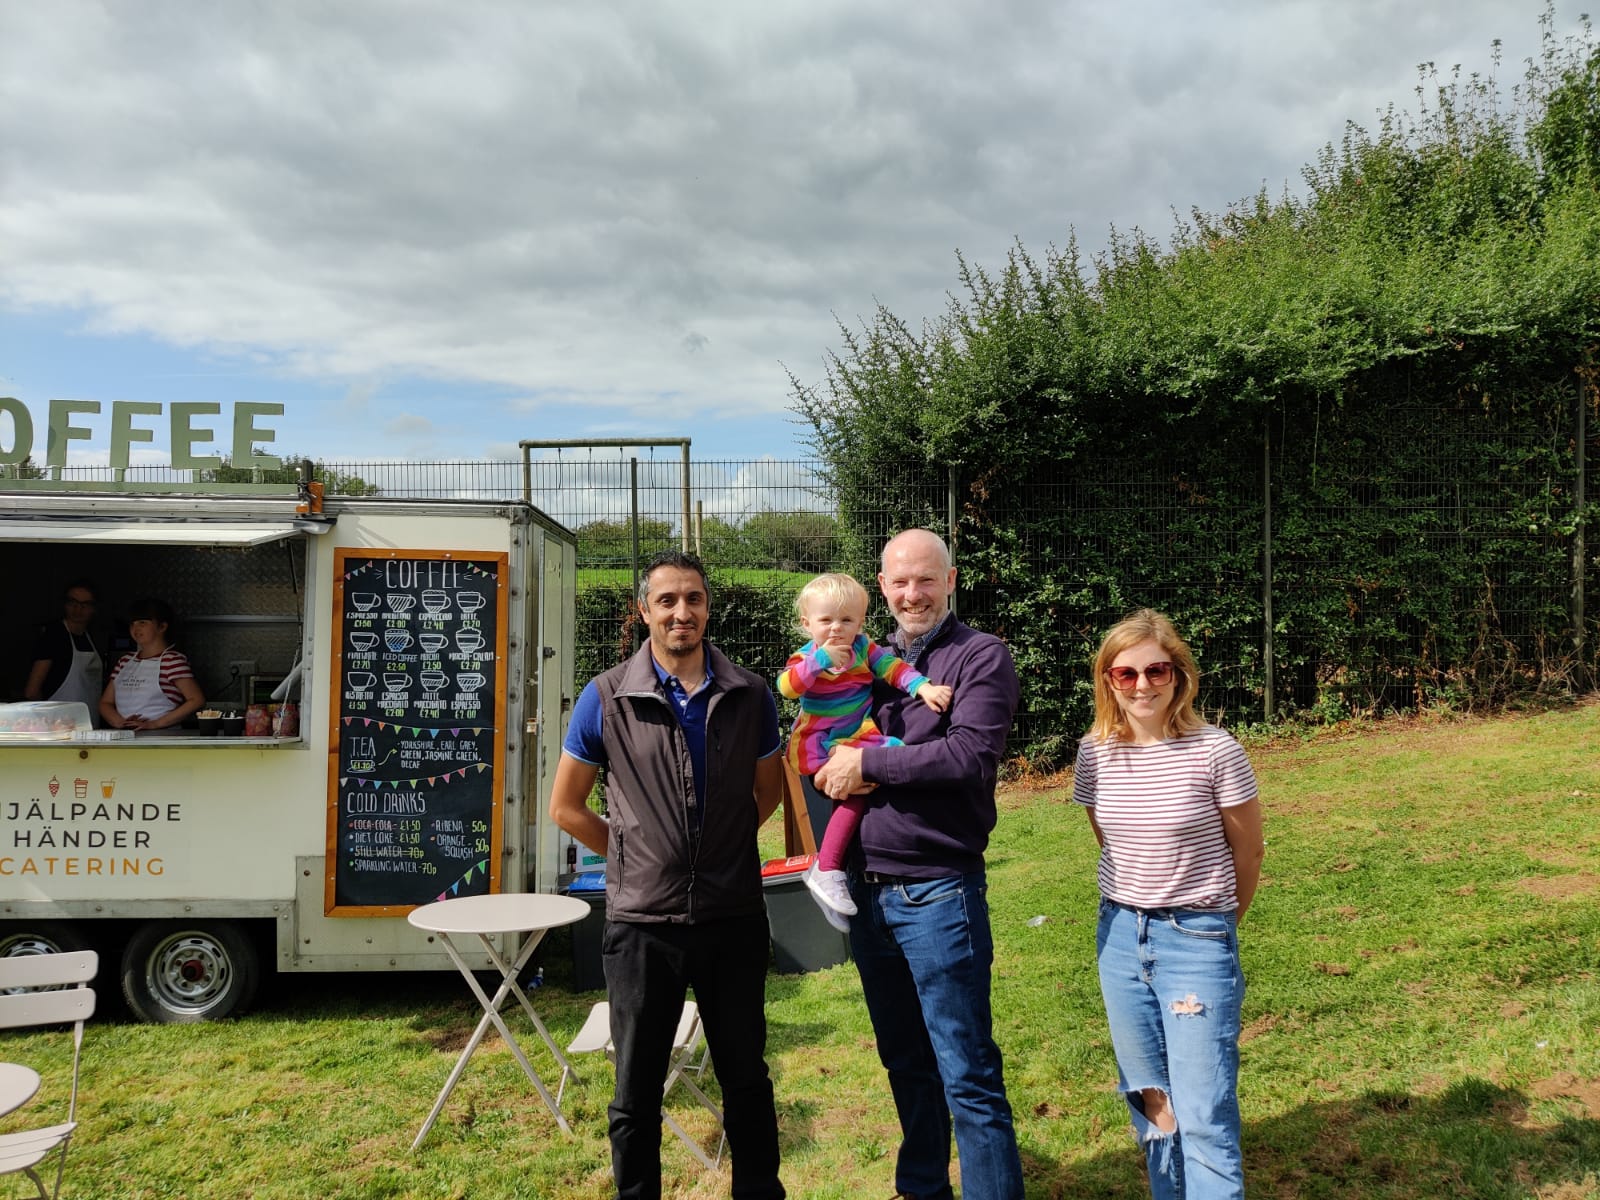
[431, 228]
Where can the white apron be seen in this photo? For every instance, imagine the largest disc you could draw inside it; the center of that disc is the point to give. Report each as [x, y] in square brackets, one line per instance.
[83, 681]
[138, 689]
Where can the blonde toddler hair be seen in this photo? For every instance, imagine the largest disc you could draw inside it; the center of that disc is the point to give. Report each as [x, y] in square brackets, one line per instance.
[833, 587]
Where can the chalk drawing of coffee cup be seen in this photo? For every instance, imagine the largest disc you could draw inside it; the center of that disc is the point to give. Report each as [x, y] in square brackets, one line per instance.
[360, 681]
[433, 680]
[363, 640]
[400, 602]
[469, 681]
[365, 601]
[468, 640]
[435, 601]
[470, 602]
[396, 682]
[397, 640]
[433, 642]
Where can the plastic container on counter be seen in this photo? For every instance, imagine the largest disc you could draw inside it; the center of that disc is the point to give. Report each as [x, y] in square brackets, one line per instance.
[34, 720]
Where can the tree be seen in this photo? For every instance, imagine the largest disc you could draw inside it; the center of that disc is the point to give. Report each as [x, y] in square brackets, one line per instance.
[26, 469]
[1398, 344]
[606, 543]
[333, 481]
[792, 541]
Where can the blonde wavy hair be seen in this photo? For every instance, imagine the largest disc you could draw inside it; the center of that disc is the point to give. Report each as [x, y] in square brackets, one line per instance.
[832, 588]
[1146, 625]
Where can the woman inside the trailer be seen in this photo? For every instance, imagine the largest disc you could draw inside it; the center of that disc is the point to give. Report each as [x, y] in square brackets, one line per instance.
[153, 687]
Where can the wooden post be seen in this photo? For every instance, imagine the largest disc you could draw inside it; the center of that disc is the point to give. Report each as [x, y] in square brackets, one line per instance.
[798, 836]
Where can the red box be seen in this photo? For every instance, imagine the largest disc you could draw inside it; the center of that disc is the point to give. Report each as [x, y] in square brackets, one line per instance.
[786, 866]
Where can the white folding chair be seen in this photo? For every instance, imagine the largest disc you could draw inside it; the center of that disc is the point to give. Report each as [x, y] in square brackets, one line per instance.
[68, 1000]
[690, 1057]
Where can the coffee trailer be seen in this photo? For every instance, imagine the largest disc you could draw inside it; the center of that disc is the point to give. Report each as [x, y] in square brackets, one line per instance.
[405, 669]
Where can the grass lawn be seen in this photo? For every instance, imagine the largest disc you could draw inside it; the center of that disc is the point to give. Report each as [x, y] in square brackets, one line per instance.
[1423, 1019]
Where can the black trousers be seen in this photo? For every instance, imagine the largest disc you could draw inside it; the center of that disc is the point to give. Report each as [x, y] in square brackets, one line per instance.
[648, 969]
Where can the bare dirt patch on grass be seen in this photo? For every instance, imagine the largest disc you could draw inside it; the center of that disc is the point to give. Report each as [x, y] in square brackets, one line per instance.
[1581, 885]
[1587, 1190]
[1564, 1085]
[1262, 1024]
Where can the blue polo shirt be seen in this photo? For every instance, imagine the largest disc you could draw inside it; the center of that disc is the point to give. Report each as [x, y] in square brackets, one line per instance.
[584, 742]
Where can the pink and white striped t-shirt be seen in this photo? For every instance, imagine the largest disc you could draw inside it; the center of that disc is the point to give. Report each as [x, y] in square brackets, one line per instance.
[174, 666]
[1159, 809]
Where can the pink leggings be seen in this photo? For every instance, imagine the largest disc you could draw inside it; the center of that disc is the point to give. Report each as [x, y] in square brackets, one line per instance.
[841, 831]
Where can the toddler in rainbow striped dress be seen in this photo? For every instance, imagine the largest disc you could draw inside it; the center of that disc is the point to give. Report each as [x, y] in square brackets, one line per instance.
[832, 676]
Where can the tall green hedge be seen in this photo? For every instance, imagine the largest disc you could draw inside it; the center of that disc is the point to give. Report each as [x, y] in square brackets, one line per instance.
[1404, 343]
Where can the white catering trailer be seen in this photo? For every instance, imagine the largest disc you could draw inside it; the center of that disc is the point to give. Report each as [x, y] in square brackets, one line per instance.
[402, 668]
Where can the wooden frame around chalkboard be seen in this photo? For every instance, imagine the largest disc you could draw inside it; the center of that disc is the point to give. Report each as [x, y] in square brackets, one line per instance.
[343, 556]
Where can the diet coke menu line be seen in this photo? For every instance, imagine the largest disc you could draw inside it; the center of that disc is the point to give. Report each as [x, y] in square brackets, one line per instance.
[416, 749]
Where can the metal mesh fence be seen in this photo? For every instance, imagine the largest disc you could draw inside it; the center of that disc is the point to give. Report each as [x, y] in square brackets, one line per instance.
[1388, 590]
[1393, 584]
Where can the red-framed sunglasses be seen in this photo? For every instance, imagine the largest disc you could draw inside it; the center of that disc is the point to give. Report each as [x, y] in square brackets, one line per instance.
[1156, 674]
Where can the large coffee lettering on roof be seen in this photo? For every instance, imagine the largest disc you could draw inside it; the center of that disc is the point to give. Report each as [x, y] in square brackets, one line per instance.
[419, 692]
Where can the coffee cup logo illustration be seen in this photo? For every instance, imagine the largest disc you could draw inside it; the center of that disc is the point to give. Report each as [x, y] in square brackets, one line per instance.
[365, 601]
[363, 640]
[469, 681]
[401, 602]
[360, 681]
[468, 640]
[397, 640]
[433, 642]
[435, 601]
[433, 680]
[470, 602]
[396, 682]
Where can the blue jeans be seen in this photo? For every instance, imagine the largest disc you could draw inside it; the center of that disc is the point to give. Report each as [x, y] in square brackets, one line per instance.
[924, 953]
[1173, 989]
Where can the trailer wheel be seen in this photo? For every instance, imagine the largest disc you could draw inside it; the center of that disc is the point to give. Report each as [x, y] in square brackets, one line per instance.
[40, 937]
[179, 972]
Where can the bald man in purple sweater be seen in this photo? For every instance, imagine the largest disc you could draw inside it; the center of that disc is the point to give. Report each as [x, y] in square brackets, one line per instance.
[920, 937]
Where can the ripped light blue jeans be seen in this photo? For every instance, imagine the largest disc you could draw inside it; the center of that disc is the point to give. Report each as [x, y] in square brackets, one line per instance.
[1173, 989]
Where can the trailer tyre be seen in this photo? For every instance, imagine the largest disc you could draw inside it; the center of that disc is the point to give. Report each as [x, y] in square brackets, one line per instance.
[41, 937]
[179, 972]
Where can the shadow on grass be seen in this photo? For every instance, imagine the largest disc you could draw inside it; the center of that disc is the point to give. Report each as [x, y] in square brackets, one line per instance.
[338, 995]
[1473, 1141]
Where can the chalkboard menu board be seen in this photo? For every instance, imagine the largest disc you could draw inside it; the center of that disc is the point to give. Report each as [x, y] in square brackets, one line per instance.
[416, 760]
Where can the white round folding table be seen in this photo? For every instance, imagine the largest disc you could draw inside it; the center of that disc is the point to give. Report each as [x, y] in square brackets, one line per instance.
[17, 1086]
[486, 918]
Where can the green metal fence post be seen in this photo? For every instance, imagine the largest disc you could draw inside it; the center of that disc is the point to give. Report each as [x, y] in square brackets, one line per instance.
[950, 525]
[1267, 703]
[1579, 552]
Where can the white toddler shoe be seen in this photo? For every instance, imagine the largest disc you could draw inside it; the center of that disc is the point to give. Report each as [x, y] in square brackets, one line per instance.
[832, 895]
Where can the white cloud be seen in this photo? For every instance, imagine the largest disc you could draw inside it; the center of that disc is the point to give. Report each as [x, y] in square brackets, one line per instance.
[631, 213]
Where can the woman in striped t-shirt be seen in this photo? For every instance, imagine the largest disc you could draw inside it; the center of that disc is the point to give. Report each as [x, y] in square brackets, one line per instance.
[154, 687]
[1173, 805]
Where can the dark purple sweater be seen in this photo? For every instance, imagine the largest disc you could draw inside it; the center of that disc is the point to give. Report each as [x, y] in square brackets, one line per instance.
[933, 812]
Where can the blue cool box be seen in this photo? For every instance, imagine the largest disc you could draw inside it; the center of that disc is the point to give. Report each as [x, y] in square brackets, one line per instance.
[589, 881]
